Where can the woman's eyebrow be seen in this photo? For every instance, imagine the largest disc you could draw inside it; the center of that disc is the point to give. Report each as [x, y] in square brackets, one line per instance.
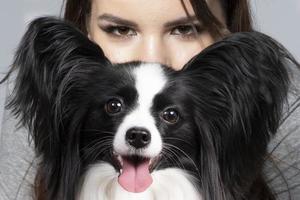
[181, 21]
[125, 22]
[117, 20]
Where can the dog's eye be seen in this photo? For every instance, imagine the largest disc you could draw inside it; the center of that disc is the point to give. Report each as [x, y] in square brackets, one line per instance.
[170, 115]
[113, 106]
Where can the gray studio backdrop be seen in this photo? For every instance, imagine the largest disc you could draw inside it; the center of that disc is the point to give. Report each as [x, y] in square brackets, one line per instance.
[278, 18]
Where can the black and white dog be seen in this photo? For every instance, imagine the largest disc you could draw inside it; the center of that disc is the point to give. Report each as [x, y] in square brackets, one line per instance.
[138, 130]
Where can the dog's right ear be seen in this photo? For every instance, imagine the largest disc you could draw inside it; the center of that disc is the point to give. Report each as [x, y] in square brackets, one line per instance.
[49, 51]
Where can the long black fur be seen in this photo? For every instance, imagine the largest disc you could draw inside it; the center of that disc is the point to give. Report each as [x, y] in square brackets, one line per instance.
[232, 95]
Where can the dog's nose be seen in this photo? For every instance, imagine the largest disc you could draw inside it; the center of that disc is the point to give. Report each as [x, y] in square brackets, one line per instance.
[138, 137]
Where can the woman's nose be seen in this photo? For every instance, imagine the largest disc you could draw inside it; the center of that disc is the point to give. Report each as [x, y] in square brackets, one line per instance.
[153, 49]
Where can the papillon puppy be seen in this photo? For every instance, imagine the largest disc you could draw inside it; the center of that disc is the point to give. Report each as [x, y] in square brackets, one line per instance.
[107, 131]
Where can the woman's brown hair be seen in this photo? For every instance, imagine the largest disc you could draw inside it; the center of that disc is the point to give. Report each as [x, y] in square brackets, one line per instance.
[236, 13]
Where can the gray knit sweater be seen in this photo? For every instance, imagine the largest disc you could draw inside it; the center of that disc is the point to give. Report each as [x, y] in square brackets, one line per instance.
[18, 162]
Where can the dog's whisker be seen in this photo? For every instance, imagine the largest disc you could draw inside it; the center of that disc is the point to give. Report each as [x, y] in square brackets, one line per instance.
[178, 139]
[169, 154]
[177, 159]
[186, 155]
[95, 152]
[91, 149]
[96, 131]
[102, 151]
[98, 142]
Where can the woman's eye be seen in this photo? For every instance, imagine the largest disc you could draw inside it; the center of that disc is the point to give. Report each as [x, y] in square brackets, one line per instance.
[170, 115]
[186, 30]
[119, 31]
[113, 106]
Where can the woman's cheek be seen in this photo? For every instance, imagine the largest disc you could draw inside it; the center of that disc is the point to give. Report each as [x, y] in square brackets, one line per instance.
[115, 51]
[119, 54]
[181, 51]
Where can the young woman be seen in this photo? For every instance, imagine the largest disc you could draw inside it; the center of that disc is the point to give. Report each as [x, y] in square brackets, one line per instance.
[170, 32]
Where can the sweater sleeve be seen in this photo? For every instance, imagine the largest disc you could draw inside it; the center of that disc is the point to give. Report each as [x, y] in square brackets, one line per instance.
[283, 165]
[17, 160]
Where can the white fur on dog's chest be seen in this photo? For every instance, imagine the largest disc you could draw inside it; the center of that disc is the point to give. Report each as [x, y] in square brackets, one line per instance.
[101, 183]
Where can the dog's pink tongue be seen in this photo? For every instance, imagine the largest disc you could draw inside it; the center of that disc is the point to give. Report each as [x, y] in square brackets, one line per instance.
[135, 178]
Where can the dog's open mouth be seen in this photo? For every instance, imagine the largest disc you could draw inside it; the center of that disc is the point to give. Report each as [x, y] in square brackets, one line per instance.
[135, 172]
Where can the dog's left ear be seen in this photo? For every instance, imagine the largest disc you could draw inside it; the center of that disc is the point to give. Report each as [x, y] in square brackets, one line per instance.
[238, 87]
[52, 54]
[54, 62]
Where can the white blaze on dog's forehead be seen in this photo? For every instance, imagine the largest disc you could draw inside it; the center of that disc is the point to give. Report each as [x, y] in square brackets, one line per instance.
[149, 81]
